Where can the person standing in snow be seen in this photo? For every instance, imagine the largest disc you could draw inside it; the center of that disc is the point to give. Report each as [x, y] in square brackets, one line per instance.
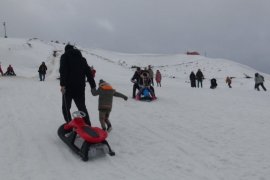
[105, 101]
[192, 78]
[229, 81]
[42, 71]
[136, 79]
[1, 71]
[73, 70]
[259, 79]
[199, 77]
[158, 78]
[151, 74]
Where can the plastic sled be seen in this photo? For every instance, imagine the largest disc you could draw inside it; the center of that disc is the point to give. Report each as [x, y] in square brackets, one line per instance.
[145, 95]
[91, 137]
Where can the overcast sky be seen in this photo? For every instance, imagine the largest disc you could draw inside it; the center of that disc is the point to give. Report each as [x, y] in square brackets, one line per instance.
[238, 30]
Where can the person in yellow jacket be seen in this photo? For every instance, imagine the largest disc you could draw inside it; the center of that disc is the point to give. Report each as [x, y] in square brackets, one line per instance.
[105, 101]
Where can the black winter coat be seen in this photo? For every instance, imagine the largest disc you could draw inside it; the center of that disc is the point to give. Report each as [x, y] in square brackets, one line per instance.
[136, 78]
[73, 70]
[192, 77]
[42, 69]
[199, 76]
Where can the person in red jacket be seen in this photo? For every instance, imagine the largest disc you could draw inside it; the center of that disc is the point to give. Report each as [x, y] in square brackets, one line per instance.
[10, 71]
[158, 78]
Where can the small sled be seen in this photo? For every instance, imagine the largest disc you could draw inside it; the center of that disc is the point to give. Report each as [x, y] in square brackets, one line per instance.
[92, 137]
[145, 95]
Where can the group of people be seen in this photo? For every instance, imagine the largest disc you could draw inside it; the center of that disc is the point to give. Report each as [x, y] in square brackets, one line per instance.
[9, 72]
[198, 76]
[259, 80]
[73, 71]
[143, 81]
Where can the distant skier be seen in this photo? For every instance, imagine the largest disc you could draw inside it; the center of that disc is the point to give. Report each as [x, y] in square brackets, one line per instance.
[259, 79]
[42, 71]
[73, 70]
[105, 101]
[192, 78]
[229, 81]
[199, 77]
[158, 78]
[10, 71]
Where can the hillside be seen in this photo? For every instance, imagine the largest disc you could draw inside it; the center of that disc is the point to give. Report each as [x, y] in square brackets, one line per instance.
[190, 134]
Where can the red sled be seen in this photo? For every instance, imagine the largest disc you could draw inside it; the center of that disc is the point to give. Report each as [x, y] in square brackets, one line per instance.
[92, 137]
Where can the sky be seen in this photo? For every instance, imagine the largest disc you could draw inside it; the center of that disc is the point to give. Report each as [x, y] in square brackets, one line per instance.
[232, 29]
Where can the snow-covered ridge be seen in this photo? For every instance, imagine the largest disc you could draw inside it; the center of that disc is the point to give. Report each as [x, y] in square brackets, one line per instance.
[26, 56]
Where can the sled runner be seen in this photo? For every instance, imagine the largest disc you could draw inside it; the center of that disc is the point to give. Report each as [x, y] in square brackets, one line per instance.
[93, 137]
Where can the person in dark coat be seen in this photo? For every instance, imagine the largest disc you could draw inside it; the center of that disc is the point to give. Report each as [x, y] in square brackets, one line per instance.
[137, 81]
[192, 78]
[259, 79]
[73, 71]
[151, 74]
[199, 77]
[42, 71]
[213, 83]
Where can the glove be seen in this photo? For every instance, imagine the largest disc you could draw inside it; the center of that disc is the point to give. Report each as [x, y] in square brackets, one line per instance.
[93, 91]
[125, 98]
[63, 89]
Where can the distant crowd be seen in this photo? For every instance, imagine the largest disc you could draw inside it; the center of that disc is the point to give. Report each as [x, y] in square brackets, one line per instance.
[199, 77]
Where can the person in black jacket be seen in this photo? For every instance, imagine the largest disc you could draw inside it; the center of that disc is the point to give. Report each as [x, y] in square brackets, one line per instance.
[73, 70]
[199, 77]
[42, 71]
[136, 79]
[192, 78]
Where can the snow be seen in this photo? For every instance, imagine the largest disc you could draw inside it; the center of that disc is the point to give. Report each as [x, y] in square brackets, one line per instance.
[190, 134]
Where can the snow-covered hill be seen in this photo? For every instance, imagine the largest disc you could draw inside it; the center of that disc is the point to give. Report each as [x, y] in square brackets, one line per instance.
[186, 134]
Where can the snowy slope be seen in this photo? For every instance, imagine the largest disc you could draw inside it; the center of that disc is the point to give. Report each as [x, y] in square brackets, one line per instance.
[186, 134]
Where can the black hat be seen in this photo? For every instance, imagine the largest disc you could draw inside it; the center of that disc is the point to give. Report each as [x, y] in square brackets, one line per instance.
[68, 47]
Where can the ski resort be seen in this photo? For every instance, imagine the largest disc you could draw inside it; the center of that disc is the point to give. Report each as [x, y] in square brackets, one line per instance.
[186, 133]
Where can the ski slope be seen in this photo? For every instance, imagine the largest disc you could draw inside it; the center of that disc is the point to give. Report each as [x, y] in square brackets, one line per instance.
[190, 134]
